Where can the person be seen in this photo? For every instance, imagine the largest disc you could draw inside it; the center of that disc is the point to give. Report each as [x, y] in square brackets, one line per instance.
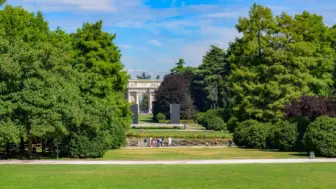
[230, 143]
[150, 142]
[153, 143]
[162, 141]
[158, 142]
[169, 141]
[215, 141]
[145, 141]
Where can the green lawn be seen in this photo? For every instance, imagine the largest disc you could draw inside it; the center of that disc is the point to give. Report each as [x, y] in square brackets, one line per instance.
[146, 118]
[196, 153]
[252, 176]
[178, 134]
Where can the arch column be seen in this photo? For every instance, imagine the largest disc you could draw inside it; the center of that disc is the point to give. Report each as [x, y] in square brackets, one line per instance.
[150, 100]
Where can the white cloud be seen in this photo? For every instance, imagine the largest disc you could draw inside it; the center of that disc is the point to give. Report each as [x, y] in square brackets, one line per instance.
[155, 42]
[219, 36]
[67, 5]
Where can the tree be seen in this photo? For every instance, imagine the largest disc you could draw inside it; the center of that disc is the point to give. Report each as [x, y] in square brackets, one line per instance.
[143, 76]
[209, 90]
[2, 2]
[157, 77]
[102, 85]
[174, 89]
[144, 103]
[39, 95]
[180, 67]
[277, 60]
[311, 107]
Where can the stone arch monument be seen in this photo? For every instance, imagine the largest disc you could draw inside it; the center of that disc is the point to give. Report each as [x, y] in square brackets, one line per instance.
[136, 88]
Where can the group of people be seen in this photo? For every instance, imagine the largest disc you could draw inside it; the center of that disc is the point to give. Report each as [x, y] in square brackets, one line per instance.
[157, 142]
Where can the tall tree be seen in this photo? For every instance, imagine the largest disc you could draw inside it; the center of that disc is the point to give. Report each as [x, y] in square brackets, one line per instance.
[103, 84]
[209, 83]
[175, 89]
[277, 60]
[180, 67]
[38, 95]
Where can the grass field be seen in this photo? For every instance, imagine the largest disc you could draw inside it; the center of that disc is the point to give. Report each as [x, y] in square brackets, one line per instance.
[196, 154]
[178, 134]
[146, 118]
[252, 176]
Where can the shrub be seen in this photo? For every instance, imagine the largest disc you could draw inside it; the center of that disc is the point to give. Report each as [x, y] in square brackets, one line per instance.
[216, 124]
[239, 136]
[232, 124]
[251, 134]
[160, 117]
[256, 136]
[83, 145]
[199, 117]
[285, 136]
[208, 119]
[321, 136]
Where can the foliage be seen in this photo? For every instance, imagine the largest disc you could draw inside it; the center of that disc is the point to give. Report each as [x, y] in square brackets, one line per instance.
[157, 77]
[53, 85]
[251, 134]
[83, 145]
[278, 59]
[39, 95]
[213, 119]
[321, 136]
[208, 85]
[174, 89]
[144, 103]
[216, 124]
[144, 76]
[160, 117]
[180, 68]
[284, 136]
[311, 107]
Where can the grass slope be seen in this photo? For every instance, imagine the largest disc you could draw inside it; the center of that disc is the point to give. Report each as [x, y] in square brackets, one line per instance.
[196, 154]
[254, 176]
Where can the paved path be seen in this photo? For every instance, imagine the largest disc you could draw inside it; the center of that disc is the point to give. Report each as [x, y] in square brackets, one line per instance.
[175, 162]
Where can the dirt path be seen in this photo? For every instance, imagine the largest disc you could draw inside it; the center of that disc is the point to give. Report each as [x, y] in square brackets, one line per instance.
[175, 162]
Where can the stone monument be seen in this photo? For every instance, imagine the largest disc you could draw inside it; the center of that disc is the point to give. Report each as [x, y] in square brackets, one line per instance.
[175, 113]
[135, 111]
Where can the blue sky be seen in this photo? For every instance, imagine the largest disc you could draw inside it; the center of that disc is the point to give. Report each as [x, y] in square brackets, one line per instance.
[154, 34]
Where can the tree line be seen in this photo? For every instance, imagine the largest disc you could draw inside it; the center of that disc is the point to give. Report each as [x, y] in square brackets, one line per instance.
[260, 85]
[63, 91]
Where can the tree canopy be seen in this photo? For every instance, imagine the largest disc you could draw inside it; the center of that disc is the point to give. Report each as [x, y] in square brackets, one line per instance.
[56, 86]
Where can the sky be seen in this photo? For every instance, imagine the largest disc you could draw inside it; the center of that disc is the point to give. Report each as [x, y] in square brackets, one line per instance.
[154, 34]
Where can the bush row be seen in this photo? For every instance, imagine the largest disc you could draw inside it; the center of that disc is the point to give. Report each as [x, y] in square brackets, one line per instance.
[320, 136]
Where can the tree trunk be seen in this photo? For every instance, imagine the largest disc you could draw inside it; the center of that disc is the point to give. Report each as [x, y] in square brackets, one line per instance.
[30, 146]
[43, 146]
[7, 148]
[22, 149]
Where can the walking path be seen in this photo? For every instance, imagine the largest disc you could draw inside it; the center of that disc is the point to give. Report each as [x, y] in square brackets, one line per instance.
[175, 162]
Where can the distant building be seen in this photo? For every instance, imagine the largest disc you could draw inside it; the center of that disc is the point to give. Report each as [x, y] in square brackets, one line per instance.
[136, 89]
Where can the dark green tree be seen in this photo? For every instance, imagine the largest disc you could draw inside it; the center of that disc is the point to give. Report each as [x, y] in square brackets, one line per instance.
[180, 67]
[209, 88]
